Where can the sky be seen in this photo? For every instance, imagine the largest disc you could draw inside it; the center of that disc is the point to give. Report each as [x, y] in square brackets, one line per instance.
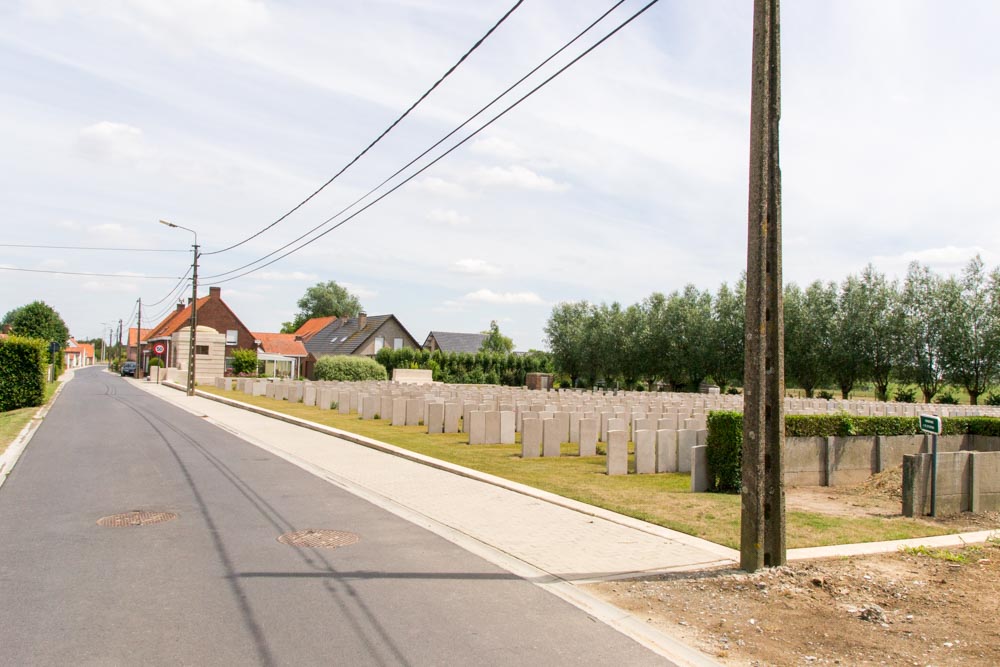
[626, 175]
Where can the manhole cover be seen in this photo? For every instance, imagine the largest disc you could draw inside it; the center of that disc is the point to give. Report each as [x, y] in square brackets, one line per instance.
[329, 539]
[135, 518]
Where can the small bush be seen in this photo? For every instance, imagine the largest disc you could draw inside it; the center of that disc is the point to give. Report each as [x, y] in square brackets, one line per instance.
[725, 443]
[733, 391]
[946, 398]
[824, 394]
[349, 369]
[993, 399]
[244, 361]
[906, 395]
[156, 362]
[22, 372]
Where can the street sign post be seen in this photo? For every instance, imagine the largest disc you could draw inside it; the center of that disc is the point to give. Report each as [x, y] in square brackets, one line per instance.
[932, 424]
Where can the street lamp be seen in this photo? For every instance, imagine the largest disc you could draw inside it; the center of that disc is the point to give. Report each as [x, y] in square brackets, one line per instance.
[194, 307]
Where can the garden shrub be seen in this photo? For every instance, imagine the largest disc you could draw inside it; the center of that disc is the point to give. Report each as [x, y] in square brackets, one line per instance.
[349, 369]
[906, 395]
[244, 362]
[825, 395]
[22, 372]
[993, 399]
[946, 398]
[155, 362]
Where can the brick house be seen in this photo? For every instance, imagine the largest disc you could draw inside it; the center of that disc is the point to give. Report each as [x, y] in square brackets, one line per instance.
[448, 341]
[167, 340]
[360, 336]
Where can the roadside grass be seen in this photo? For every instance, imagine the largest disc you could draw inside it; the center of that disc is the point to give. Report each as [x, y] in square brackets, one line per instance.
[12, 422]
[662, 499]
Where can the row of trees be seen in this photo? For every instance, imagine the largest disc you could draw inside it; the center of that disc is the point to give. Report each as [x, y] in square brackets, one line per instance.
[927, 330]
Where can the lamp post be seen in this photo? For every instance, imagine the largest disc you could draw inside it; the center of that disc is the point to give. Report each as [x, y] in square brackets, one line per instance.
[194, 307]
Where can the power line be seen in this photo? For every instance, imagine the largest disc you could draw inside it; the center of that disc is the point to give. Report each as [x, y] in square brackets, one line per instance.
[379, 137]
[172, 290]
[428, 150]
[440, 157]
[80, 273]
[79, 247]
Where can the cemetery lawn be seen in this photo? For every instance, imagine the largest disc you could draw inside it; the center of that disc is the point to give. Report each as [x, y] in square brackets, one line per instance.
[13, 421]
[662, 499]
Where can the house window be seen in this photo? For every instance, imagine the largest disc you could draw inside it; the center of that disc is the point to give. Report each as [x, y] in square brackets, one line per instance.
[232, 337]
[201, 349]
[379, 343]
[397, 343]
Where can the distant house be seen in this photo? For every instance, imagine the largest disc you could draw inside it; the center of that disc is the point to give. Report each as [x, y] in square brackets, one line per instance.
[134, 336]
[448, 341]
[357, 336]
[78, 355]
[220, 332]
[282, 354]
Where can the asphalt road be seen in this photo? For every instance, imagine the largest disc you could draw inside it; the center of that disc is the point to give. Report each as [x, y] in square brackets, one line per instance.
[214, 586]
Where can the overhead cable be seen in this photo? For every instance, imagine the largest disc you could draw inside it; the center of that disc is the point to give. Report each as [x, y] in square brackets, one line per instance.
[379, 137]
[438, 158]
[428, 150]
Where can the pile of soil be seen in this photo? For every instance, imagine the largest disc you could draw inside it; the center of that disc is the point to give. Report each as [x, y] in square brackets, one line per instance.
[914, 607]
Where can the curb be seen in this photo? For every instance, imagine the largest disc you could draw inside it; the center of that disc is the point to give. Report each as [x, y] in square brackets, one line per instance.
[14, 450]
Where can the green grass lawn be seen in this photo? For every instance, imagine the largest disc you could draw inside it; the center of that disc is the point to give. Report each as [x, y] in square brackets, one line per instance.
[13, 421]
[663, 499]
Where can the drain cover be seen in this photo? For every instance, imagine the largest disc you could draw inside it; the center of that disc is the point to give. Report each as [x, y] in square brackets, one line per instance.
[135, 518]
[329, 539]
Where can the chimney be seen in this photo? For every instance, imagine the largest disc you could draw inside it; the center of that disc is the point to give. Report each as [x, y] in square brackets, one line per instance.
[215, 292]
[180, 306]
[362, 320]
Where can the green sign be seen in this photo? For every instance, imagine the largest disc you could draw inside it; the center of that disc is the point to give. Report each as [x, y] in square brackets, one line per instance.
[930, 424]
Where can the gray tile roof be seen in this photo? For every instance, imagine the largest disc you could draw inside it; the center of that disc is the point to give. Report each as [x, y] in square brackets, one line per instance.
[448, 341]
[340, 337]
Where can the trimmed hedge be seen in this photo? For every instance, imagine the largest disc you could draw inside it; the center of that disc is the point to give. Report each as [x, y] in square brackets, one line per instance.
[22, 372]
[725, 440]
[466, 368]
[725, 436]
[349, 369]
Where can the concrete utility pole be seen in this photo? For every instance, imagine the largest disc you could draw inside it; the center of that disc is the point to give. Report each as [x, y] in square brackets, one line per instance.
[138, 342]
[762, 525]
[194, 307]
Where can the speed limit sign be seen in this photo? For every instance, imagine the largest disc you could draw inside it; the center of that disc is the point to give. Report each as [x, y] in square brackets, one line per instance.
[158, 348]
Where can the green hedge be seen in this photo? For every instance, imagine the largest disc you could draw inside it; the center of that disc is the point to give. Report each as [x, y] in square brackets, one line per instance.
[725, 435]
[350, 369]
[725, 439]
[22, 372]
[466, 368]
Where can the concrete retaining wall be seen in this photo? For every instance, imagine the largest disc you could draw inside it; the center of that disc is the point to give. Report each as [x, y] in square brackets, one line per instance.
[967, 481]
[838, 461]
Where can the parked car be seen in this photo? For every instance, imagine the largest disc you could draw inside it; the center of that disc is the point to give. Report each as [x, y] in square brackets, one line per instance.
[128, 368]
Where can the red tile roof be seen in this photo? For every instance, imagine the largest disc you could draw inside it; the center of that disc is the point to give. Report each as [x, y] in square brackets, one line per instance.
[285, 344]
[174, 321]
[312, 327]
[143, 336]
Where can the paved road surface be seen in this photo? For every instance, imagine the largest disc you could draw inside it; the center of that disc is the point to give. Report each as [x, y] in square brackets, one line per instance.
[214, 586]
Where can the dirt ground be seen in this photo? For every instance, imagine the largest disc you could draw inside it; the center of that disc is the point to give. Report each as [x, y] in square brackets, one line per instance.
[913, 607]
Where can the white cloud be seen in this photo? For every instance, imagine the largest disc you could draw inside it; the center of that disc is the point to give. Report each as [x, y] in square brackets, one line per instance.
[109, 286]
[106, 228]
[478, 267]
[359, 291]
[111, 141]
[946, 260]
[516, 176]
[53, 264]
[489, 296]
[448, 216]
[439, 186]
[287, 275]
[499, 148]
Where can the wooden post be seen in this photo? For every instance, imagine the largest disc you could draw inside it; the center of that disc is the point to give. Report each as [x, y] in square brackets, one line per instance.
[762, 528]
